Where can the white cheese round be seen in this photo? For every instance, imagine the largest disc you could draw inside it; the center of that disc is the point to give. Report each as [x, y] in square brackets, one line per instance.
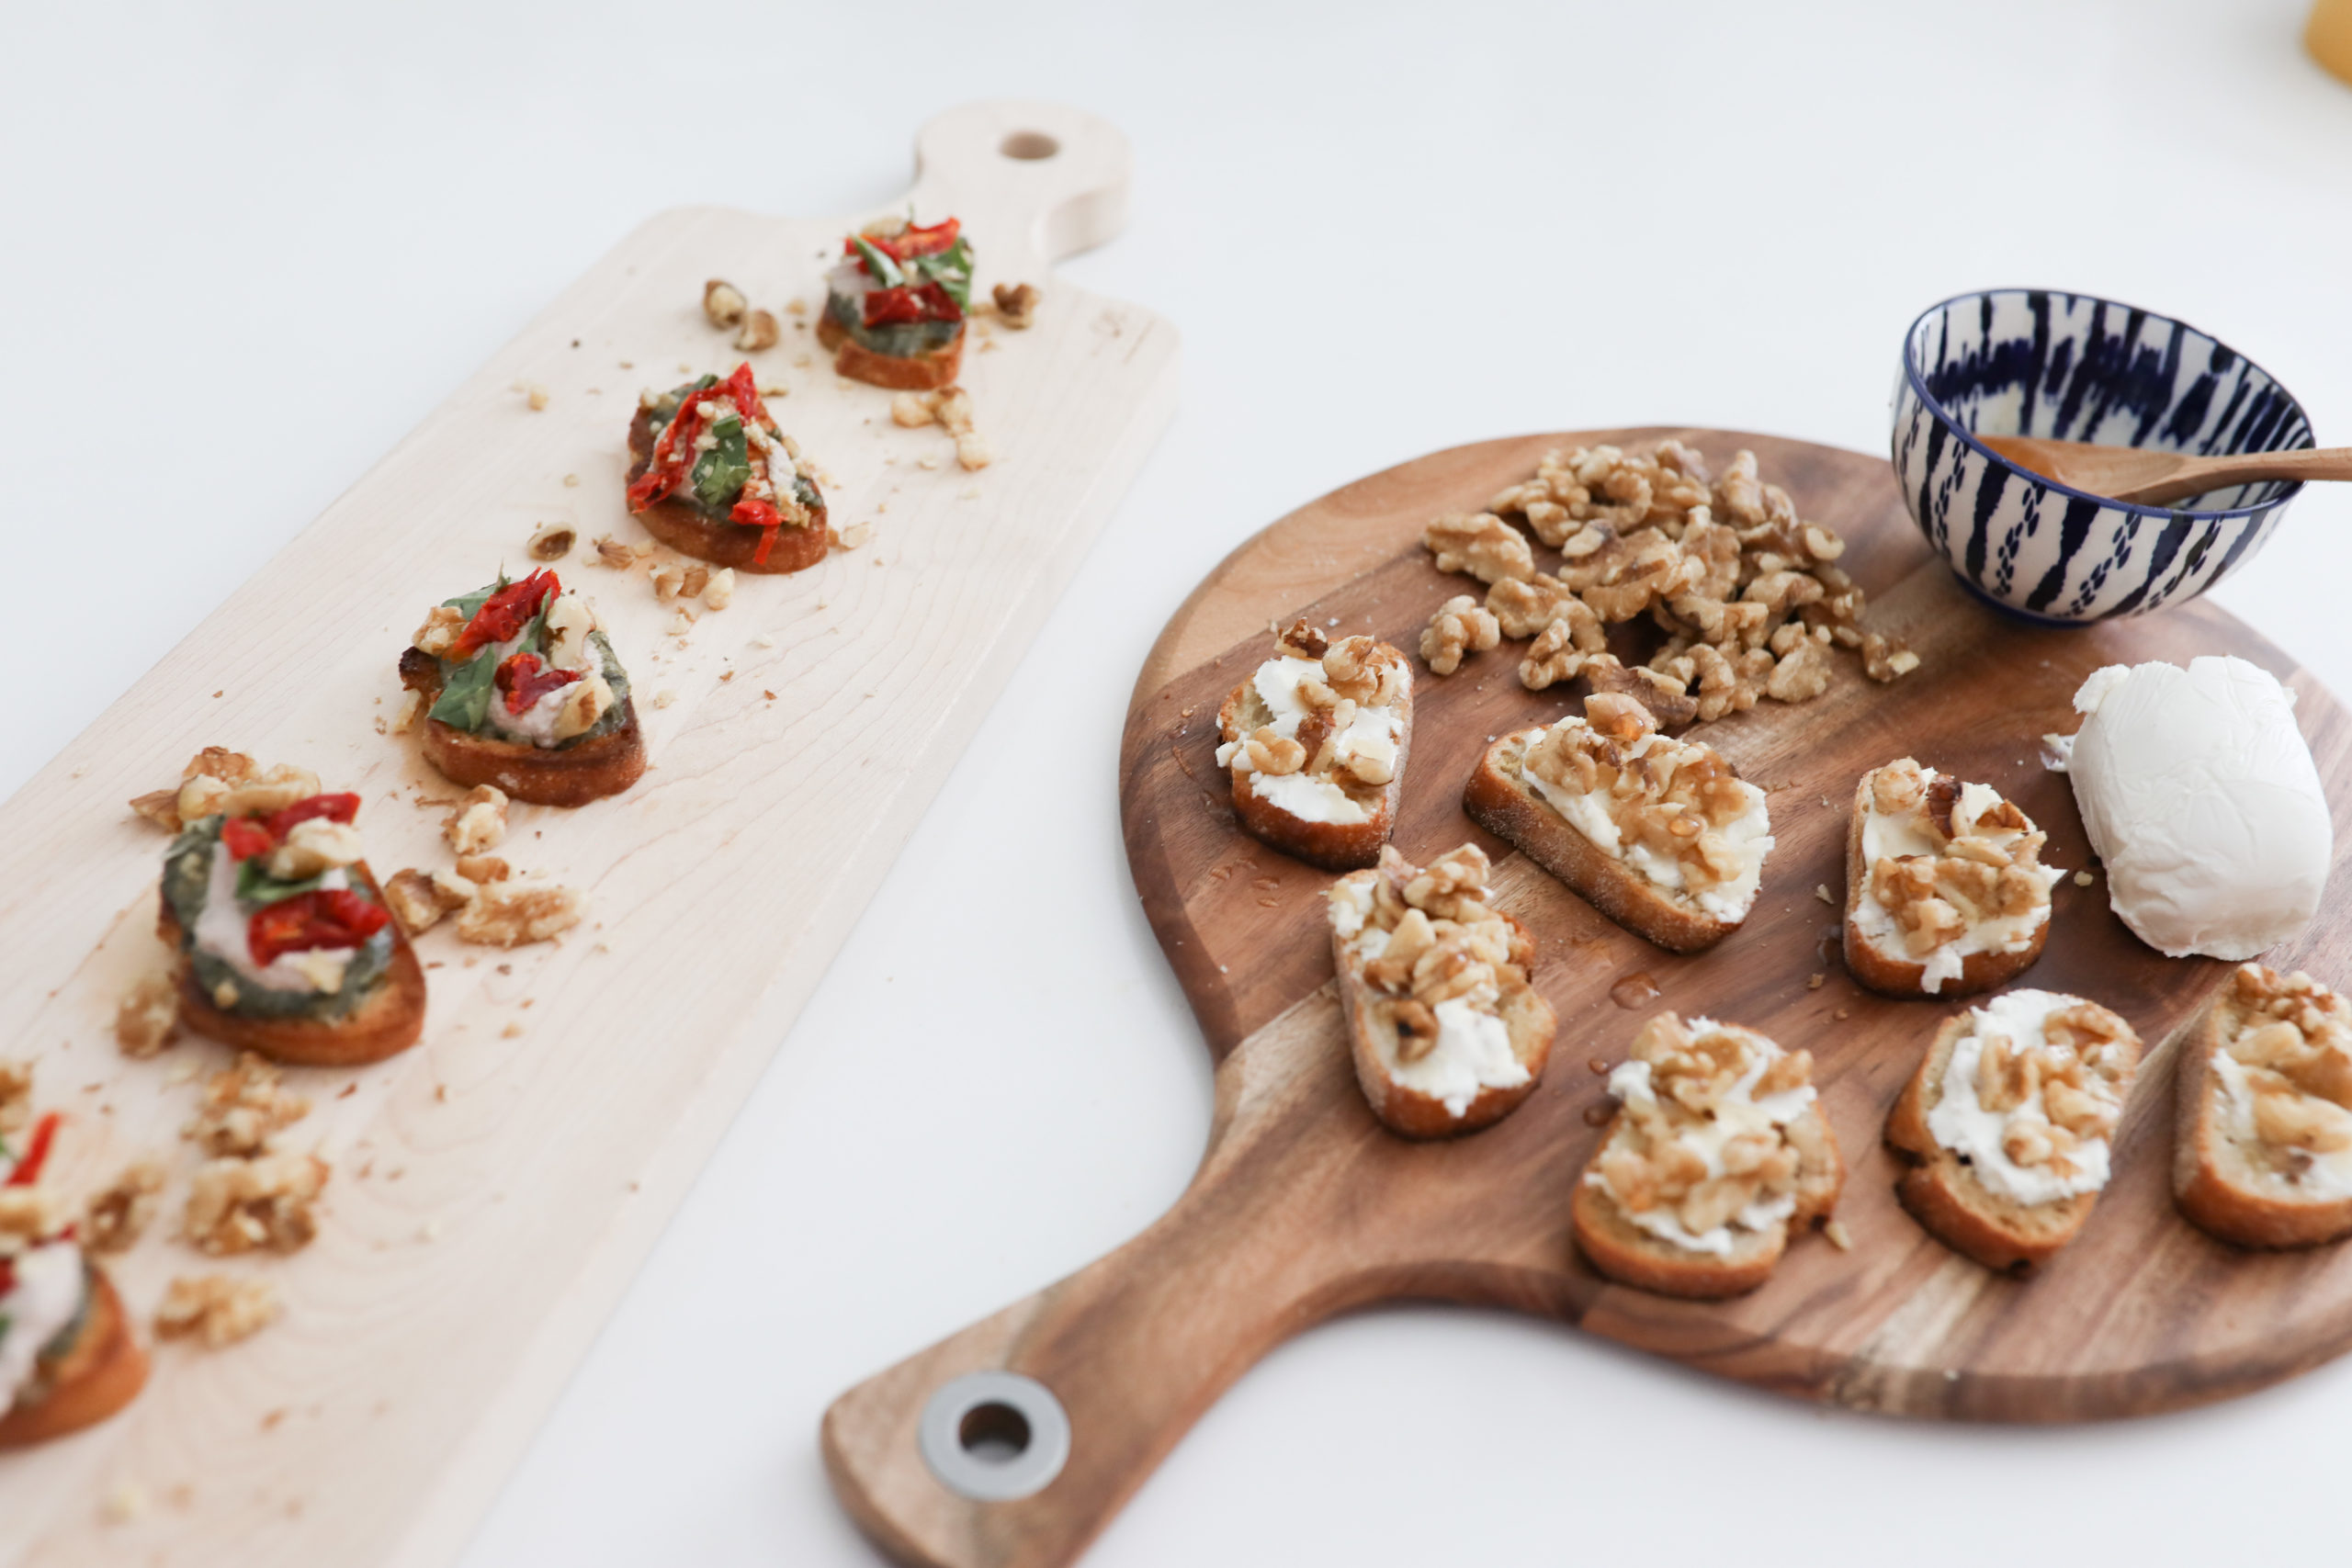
[2200, 795]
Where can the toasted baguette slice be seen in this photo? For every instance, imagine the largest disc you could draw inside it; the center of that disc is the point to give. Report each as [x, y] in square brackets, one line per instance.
[1612, 1243]
[102, 1371]
[386, 1024]
[1896, 975]
[913, 373]
[1943, 1190]
[1500, 800]
[1334, 846]
[689, 533]
[2237, 1194]
[1375, 1037]
[567, 775]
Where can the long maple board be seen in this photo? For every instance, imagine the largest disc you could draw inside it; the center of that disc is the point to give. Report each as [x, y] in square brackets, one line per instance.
[1304, 1206]
[495, 1188]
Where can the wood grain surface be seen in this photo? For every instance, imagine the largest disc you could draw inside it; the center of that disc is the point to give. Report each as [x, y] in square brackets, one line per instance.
[495, 1188]
[1304, 1206]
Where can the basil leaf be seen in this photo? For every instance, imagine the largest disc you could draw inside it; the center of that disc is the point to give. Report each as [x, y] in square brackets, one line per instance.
[468, 604]
[665, 407]
[255, 886]
[878, 267]
[465, 692]
[720, 474]
[952, 270]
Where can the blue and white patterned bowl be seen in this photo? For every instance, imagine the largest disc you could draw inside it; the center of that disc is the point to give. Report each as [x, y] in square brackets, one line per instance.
[2073, 368]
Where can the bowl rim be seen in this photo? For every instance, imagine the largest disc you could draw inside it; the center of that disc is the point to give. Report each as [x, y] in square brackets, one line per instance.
[1935, 406]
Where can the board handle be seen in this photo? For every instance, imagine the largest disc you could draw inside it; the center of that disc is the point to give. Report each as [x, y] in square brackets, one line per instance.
[1012, 1444]
[1062, 174]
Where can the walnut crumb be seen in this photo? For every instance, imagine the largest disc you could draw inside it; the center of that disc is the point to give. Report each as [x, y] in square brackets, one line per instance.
[571, 481]
[146, 1016]
[1814, 981]
[119, 1213]
[761, 330]
[16, 1096]
[243, 1107]
[611, 552]
[910, 409]
[553, 541]
[1461, 626]
[160, 806]
[483, 868]
[411, 708]
[126, 1502]
[409, 895]
[222, 1308]
[662, 699]
[480, 821]
[1821, 891]
[2084, 879]
[536, 395]
[1016, 304]
[1835, 1234]
[506, 914]
[718, 590]
[722, 303]
[235, 1205]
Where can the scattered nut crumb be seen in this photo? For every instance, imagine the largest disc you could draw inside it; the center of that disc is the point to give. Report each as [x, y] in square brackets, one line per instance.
[147, 1014]
[1016, 304]
[121, 1213]
[912, 410]
[2084, 879]
[160, 806]
[409, 895]
[760, 330]
[223, 1308]
[722, 302]
[553, 541]
[480, 821]
[856, 535]
[126, 1501]
[797, 306]
[611, 552]
[235, 1205]
[1837, 1236]
[483, 868]
[243, 1107]
[1815, 981]
[1821, 891]
[506, 914]
[571, 481]
[720, 591]
[412, 708]
[664, 698]
[668, 580]
[511, 1031]
[537, 396]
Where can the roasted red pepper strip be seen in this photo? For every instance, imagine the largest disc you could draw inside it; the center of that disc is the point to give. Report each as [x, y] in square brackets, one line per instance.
[503, 614]
[244, 837]
[324, 918]
[926, 302]
[28, 1169]
[334, 807]
[672, 459]
[525, 679]
[910, 242]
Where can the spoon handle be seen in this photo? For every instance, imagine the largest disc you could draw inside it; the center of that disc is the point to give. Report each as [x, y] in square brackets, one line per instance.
[2203, 474]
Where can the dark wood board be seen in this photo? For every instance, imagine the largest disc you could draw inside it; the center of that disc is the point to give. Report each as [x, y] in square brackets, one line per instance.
[1304, 1206]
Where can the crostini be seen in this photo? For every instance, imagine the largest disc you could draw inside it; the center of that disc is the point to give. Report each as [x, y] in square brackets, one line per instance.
[2006, 1124]
[285, 945]
[1447, 1033]
[1718, 1153]
[895, 304]
[67, 1358]
[2264, 1149]
[712, 477]
[1946, 893]
[1316, 740]
[1656, 832]
[522, 691]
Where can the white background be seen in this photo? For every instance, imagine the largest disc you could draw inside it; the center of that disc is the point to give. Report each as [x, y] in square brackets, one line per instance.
[243, 250]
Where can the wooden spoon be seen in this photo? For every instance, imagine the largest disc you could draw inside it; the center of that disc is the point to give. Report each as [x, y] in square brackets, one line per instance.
[2152, 479]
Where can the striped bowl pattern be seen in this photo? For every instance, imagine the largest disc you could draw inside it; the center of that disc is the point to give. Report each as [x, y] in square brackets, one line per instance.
[2073, 367]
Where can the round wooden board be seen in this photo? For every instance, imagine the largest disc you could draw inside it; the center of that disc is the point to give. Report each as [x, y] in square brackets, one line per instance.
[1304, 1206]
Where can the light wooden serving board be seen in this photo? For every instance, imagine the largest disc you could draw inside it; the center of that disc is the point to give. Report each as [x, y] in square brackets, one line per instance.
[1304, 1206]
[494, 1189]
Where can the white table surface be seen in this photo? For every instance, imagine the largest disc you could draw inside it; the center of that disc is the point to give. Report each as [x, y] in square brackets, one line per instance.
[245, 253]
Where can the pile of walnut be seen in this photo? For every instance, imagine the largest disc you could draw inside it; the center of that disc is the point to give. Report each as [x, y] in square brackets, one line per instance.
[2077, 1078]
[1748, 595]
[494, 906]
[1674, 798]
[951, 409]
[723, 306]
[1444, 942]
[1356, 673]
[1650, 1164]
[2295, 1044]
[1992, 871]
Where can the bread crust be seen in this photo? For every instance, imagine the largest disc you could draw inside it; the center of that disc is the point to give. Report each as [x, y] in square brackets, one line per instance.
[1334, 846]
[1499, 801]
[1890, 976]
[104, 1371]
[689, 533]
[1613, 1243]
[385, 1025]
[571, 776]
[1944, 1193]
[1409, 1111]
[920, 373]
[2208, 1186]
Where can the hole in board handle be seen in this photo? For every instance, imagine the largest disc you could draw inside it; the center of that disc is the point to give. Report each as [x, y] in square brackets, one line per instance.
[993, 1436]
[994, 1433]
[1029, 146]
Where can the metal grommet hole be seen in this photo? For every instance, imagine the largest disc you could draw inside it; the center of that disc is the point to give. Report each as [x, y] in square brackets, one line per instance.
[1029, 145]
[994, 1437]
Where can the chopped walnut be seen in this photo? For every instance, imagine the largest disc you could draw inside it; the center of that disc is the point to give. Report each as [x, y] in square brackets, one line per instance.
[552, 541]
[2291, 1038]
[243, 1107]
[912, 410]
[272, 790]
[1561, 651]
[2060, 1094]
[611, 552]
[483, 868]
[1357, 674]
[1440, 942]
[451, 891]
[1524, 606]
[1482, 545]
[29, 1214]
[761, 330]
[409, 895]
[1016, 304]
[722, 303]
[1985, 864]
[1459, 626]
[119, 1213]
[1669, 704]
[236, 1205]
[506, 914]
[1676, 1089]
[697, 578]
[312, 847]
[1677, 799]
[16, 1096]
[720, 591]
[480, 821]
[221, 1308]
[160, 806]
[146, 1016]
